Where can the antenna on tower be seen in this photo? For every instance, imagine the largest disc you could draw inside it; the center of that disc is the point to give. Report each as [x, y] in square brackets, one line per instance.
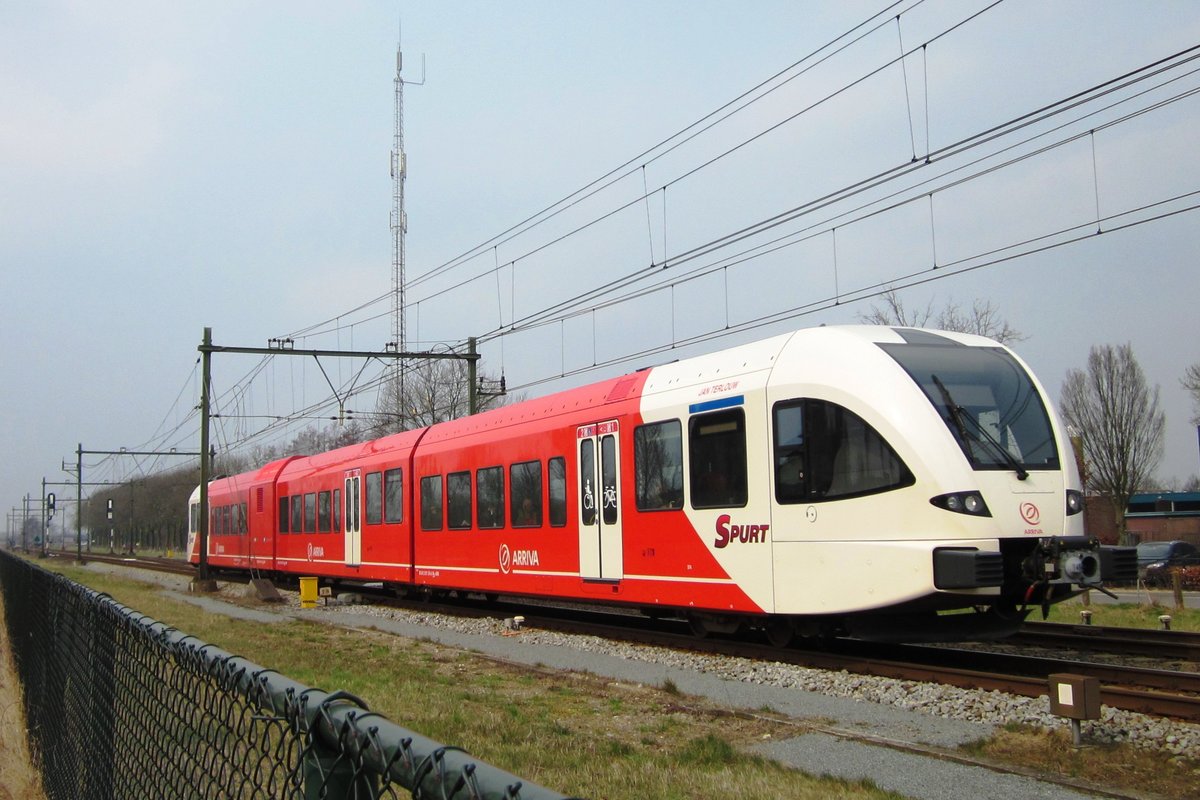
[399, 168]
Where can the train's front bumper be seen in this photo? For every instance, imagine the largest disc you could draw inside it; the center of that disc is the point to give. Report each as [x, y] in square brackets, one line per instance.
[1020, 563]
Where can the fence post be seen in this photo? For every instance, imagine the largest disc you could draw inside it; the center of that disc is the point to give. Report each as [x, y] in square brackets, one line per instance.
[328, 771]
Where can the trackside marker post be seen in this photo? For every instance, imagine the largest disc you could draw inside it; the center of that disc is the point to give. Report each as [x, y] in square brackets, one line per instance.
[1076, 697]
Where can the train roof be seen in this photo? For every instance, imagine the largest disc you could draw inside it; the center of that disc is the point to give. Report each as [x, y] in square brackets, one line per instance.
[752, 357]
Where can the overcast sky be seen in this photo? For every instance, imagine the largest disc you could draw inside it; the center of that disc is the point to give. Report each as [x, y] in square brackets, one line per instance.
[170, 166]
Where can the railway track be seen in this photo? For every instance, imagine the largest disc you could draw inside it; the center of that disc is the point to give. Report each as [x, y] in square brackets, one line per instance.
[1157, 692]
[170, 565]
[1171, 645]
[1160, 692]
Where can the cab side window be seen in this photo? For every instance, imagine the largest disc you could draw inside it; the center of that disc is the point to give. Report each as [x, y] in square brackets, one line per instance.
[823, 451]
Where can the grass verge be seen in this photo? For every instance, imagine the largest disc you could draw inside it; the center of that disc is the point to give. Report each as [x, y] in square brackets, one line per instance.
[576, 733]
[587, 736]
[1124, 615]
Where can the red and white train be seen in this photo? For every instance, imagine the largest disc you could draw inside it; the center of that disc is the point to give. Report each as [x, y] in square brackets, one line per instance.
[855, 480]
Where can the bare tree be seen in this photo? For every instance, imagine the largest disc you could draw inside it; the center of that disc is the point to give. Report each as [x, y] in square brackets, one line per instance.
[1121, 425]
[983, 318]
[894, 312]
[1191, 382]
[435, 390]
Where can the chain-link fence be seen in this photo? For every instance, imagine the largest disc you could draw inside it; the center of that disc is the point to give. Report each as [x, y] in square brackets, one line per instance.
[121, 706]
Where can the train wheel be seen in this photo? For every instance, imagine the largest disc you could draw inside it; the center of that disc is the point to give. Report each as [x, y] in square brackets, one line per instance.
[699, 629]
[780, 632]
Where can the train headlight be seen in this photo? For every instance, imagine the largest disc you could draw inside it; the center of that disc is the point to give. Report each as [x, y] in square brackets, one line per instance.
[1074, 502]
[969, 503]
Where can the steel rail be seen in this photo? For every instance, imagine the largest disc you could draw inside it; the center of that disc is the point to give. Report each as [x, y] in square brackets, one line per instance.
[1183, 645]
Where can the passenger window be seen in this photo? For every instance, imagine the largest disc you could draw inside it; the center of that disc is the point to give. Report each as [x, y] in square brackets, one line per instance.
[297, 513]
[658, 465]
[244, 519]
[489, 485]
[337, 509]
[558, 491]
[323, 512]
[458, 499]
[824, 452]
[310, 512]
[374, 498]
[526, 493]
[431, 503]
[717, 467]
[393, 496]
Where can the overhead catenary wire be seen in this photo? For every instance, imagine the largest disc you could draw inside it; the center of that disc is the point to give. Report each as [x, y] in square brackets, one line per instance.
[705, 164]
[608, 292]
[583, 299]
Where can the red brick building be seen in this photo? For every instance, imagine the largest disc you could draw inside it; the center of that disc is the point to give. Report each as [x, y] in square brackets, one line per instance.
[1150, 517]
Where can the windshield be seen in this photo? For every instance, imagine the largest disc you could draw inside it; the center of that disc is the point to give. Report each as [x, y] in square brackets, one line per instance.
[986, 400]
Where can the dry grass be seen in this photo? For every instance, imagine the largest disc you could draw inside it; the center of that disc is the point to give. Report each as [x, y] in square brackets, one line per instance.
[1123, 768]
[20, 781]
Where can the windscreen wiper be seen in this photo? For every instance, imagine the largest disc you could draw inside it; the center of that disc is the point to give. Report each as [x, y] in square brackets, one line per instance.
[959, 414]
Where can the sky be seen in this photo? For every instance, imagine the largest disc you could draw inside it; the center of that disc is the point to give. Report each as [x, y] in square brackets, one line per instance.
[167, 167]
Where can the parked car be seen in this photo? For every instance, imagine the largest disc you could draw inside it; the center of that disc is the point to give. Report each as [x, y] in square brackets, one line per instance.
[1157, 559]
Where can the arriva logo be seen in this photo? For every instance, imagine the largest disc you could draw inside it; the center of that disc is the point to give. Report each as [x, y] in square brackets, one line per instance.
[517, 558]
[745, 534]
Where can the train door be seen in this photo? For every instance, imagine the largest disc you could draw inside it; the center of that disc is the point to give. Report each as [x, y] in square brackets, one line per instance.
[353, 521]
[600, 545]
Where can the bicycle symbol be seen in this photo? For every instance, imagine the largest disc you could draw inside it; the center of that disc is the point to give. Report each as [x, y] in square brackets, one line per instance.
[610, 496]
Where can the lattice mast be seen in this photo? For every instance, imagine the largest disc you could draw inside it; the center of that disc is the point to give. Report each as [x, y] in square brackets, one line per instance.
[399, 227]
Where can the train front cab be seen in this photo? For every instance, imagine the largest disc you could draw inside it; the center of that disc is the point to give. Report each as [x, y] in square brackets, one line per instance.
[931, 483]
